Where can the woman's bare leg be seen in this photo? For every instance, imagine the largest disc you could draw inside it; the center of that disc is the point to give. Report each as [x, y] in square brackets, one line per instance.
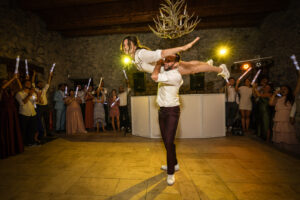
[36, 137]
[113, 123]
[243, 119]
[97, 127]
[194, 66]
[103, 128]
[118, 123]
[248, 113]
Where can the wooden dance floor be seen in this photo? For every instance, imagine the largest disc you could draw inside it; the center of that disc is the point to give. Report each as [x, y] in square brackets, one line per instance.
[116, 167]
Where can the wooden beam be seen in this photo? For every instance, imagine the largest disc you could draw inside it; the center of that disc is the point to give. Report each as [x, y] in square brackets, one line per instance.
[65, 21]
[104, 21]
[206, 23]
[36, 5]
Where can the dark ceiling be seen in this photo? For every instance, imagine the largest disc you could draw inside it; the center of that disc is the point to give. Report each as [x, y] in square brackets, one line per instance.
[96, 17]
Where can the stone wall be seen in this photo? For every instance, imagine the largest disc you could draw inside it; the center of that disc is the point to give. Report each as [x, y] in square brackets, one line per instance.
[281, 39]
[25, 34]
[100, 55]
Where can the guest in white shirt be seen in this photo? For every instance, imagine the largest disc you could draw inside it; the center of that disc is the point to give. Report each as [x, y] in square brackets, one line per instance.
[27, 114]
[231, 103]
[169, 81]
[124, 116]
[145, 59]
[42, 104]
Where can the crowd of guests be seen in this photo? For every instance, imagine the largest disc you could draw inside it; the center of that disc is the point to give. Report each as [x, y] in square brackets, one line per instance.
[86, 109]
[272, 113]
[23, 105]
[26, 118]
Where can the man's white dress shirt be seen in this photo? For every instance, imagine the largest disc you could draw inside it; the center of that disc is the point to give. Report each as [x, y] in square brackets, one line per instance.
[169, 83]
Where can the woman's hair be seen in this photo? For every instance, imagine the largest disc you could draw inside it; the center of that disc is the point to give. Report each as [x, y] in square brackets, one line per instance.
[134, 40]
[248, 80]
[271, 87]
[178, 57]
[290, 96]
[112, 92]
[24, 81]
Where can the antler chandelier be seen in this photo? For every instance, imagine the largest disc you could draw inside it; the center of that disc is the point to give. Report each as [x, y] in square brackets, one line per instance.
[172, 22]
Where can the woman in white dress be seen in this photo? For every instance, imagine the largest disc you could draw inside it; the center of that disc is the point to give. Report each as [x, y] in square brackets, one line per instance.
[145, 59]
[245, 105]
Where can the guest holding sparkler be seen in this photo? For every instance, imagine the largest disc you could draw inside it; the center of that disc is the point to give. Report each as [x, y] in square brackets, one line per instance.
[295, 113]
[60, 108]
[42, 104]
[231, 105]
[89, 109]
[28, 119]
[104, 93]
[284, 133]
[245, 105]
[74, 116]
[99, 112]
[114, 112]
[81, 95]
[263, 111]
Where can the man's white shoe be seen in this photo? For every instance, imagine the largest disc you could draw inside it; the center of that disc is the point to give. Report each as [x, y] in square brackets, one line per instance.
[225, 73]
[210, 62]
[171, 179]
[165, 167]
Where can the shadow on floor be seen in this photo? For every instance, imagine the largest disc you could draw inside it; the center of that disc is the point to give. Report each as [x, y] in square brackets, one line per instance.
[132, 191]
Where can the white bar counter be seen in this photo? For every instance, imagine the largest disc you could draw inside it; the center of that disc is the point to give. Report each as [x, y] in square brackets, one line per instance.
[202, 116]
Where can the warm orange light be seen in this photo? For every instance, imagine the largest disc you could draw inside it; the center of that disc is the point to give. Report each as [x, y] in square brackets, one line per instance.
[245, 66]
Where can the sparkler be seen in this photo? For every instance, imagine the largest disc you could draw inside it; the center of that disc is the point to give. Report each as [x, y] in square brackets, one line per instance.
[244, 74]
[17, 65]
[293, 57]
[255, 77]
